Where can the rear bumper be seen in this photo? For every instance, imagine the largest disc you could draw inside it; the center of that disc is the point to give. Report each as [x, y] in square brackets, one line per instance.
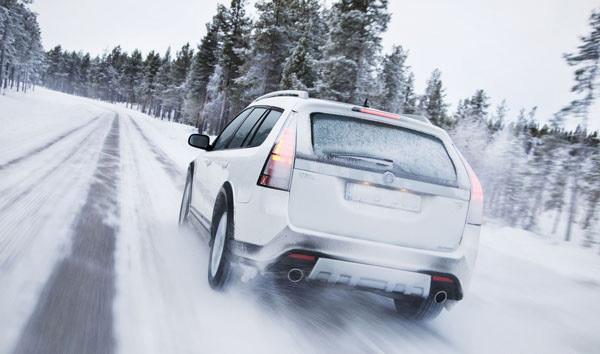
[368, 264]
[336, 272]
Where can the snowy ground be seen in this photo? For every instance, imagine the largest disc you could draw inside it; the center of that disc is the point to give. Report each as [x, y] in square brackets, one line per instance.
[91, 260]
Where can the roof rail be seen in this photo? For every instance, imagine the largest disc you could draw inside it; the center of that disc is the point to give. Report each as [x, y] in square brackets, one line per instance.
[291, 93]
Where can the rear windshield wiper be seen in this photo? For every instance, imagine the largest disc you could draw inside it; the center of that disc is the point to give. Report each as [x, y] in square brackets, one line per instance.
[380, 161]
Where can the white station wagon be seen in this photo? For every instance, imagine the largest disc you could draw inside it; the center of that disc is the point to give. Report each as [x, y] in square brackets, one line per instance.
[325, 192]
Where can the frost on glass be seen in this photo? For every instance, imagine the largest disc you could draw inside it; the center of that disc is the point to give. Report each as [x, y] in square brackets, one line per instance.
[376, 146]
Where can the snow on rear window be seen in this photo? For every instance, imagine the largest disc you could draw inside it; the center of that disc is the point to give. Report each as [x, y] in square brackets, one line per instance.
[381, 147]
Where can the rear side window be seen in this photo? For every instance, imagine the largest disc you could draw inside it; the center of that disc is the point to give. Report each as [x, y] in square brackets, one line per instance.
[265, 128]
[230, 129]
[245, 128]
[381, 147]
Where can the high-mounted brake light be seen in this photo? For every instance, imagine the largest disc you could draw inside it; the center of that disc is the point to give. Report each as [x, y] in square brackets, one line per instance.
[277, 172]
[376, 112]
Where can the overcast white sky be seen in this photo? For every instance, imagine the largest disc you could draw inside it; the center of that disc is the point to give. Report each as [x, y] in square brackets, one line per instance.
[511, 48]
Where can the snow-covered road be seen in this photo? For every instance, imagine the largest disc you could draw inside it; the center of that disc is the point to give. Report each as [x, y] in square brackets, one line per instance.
[92, 261]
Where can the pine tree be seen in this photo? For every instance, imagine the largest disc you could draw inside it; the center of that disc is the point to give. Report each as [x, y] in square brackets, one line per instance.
[513, 195]
[496, 122]
[432, 101]
[203, 66]
[462, 111]
[352, 49]
[235, 48]
[409, 100]
[298, 71]
[148, 87]
[21, 52]
[540, 168]
[178, 74]
[132, 76]
[478, 106]
[271, 43]
[54, 64]
[558, 185]
[72, 68]
[469, 128]
[591, 183]
[393, 77]
[308, 21]
[587, 63]
[84, 75]
[587, 71]
[163, 83]
[104, 79]
[117, 59]
[214, 103]
[574, 165]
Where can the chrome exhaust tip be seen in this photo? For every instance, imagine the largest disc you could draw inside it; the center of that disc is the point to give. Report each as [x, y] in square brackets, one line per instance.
[295, 275]
[440, 297]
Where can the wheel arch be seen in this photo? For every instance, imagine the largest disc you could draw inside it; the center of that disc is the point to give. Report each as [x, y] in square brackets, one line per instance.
[191, 169]
[227, 190]
[188, 188]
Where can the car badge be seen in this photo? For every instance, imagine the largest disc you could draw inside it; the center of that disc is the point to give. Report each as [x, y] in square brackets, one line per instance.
[388, 177]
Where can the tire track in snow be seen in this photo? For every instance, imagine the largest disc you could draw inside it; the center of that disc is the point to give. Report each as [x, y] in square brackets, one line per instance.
[165, 161]
[74, 311]
[27, 203]
[12, 194]
[46, 145]
[35, 232]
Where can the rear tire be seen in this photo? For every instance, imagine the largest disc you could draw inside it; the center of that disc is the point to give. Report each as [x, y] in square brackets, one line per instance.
[418, 309]
[219, 263]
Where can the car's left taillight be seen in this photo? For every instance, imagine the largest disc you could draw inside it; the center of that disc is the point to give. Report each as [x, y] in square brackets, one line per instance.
[476, 203]
[277, 171]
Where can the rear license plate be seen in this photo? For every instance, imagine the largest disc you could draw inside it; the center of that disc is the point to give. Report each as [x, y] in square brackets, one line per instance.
[388, 198]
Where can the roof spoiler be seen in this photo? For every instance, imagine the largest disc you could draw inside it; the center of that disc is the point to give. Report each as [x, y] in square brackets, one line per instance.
[377, 112]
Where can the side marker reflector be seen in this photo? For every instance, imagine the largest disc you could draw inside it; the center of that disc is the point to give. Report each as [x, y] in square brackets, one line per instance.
[302, 257]
[442, 279]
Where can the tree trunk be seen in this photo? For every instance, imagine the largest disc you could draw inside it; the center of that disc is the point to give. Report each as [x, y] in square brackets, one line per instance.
[556, 220]
[537, 204]
[572, 208]
[220, 123]
[3, 51]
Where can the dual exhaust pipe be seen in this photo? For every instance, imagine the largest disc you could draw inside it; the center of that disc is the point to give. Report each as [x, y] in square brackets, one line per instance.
[440, 297]
[295, 275]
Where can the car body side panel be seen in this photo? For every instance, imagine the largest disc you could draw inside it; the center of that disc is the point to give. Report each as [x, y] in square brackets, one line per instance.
[200, 192]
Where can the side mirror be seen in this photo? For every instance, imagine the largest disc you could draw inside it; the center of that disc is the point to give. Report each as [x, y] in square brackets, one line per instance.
[199, 141]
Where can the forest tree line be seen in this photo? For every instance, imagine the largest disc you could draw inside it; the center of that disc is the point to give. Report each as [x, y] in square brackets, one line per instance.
[21, 51]
[533, 174]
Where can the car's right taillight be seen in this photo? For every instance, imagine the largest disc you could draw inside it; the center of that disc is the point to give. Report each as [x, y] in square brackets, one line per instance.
[277, 172]
[475, 216]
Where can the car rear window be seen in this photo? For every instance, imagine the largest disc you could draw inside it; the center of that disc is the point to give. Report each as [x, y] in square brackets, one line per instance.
[381, 147]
